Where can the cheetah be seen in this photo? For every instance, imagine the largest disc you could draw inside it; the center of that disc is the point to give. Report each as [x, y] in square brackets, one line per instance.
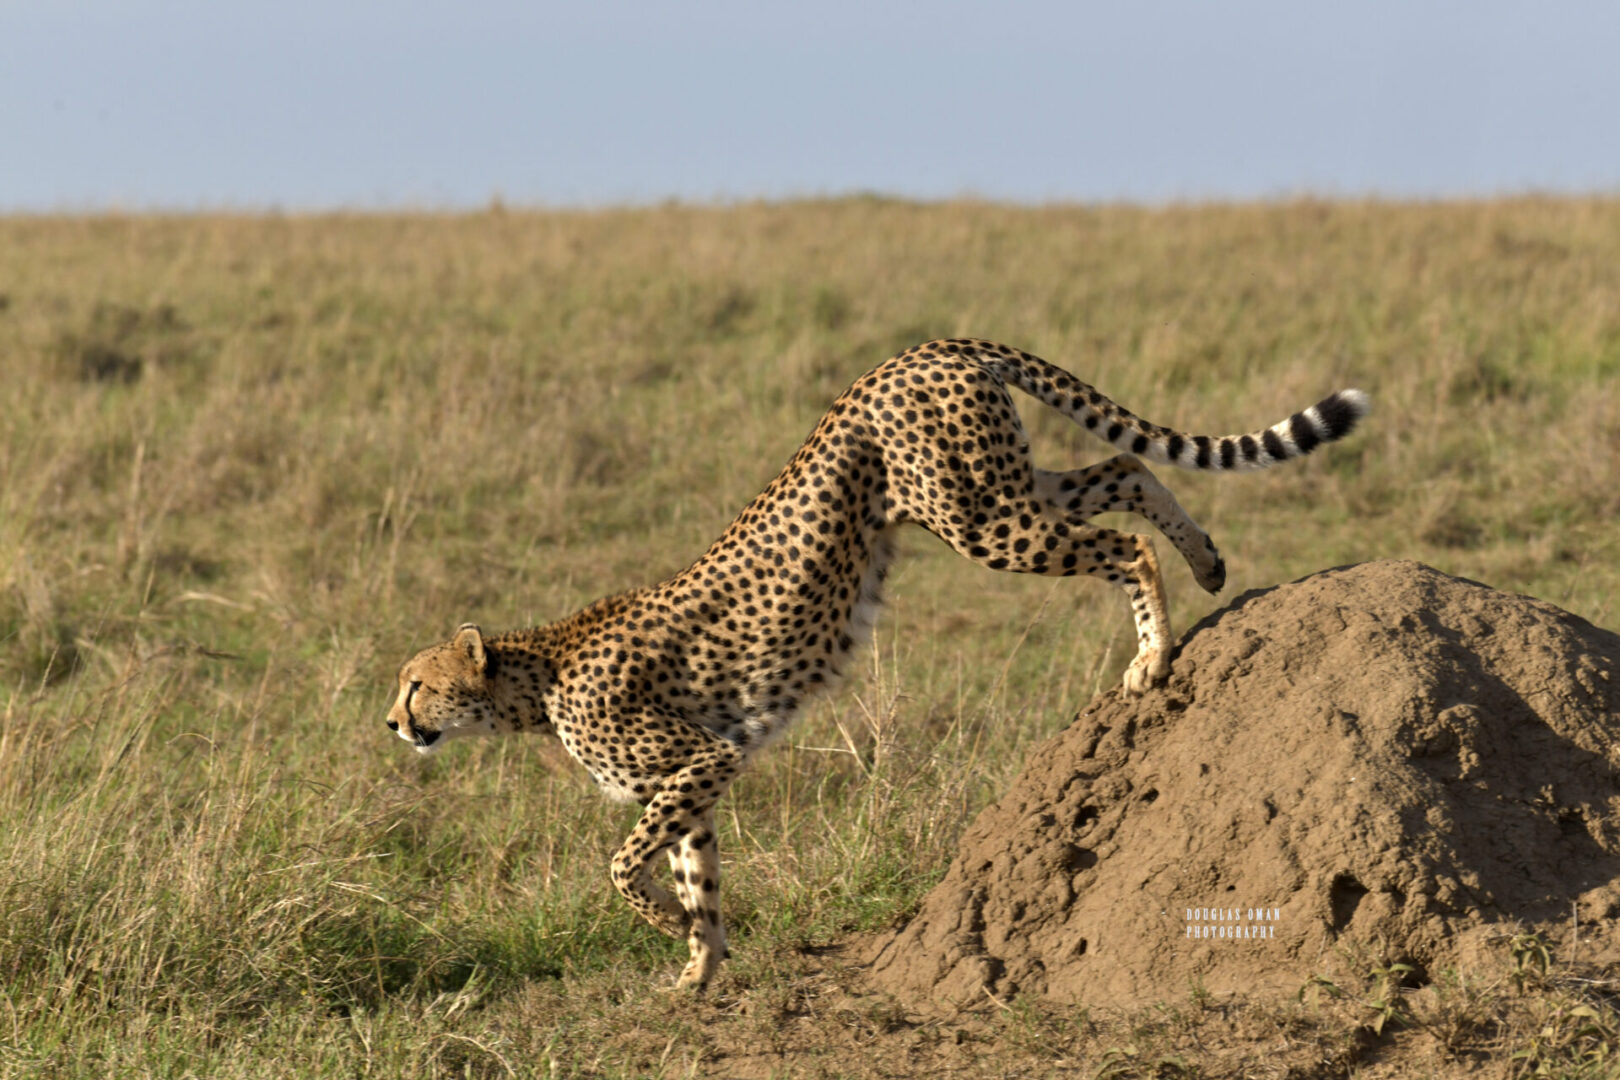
[664, 693]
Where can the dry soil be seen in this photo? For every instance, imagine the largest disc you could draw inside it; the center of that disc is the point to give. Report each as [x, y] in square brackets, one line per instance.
[1375, 763]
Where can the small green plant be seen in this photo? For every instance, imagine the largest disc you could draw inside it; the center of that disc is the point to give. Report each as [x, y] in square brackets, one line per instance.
[1199, 994]
[1315, 986]
[1465, 1014]
[1386, 1002]
[1129, 1063]
[1532, 958]
[1577, 1041]
[1030, 1023]
[1119, 1063]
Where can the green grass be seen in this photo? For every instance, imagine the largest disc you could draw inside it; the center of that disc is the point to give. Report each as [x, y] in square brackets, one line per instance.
[248, 464]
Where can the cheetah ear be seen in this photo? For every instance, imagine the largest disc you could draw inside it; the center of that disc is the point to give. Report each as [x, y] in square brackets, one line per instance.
[469, 641]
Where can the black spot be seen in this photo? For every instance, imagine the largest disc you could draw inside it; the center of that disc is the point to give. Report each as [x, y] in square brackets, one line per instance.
[1228, 453]
[1114, 432]
[1139, 444]
[1250, 448]
[1174, 448]
[1202, 459]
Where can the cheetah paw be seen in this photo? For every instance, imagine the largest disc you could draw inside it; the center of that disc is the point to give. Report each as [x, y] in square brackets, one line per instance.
[1212, 579]
[691, 980]
[680, 987]
[1146, 671]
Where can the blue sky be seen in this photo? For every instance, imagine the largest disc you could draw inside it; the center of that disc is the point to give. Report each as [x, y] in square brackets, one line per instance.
[299, 105]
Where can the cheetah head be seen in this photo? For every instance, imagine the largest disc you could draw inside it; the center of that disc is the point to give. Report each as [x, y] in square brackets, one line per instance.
[444, 693]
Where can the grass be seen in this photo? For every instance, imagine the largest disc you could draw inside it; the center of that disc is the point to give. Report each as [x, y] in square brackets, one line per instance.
[248, 464]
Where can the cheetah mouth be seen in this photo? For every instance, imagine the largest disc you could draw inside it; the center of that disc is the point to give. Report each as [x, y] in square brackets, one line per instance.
[422, 740]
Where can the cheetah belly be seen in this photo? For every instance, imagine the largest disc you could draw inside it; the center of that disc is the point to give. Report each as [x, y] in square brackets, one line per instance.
[613, 782]
[758, 729]
[868, 601]
[615, 790]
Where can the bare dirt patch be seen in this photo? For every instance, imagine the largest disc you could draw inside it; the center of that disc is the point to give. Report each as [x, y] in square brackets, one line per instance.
[1375, 764]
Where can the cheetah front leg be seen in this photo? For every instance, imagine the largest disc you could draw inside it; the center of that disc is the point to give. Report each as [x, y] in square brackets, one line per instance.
[697, 883]
[632, 876]
[680, 818]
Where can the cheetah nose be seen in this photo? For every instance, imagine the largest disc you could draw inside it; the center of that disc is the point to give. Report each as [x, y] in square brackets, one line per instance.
[392, 726]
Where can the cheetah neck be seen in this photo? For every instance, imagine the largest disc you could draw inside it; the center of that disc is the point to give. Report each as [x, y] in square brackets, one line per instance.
[523, 676]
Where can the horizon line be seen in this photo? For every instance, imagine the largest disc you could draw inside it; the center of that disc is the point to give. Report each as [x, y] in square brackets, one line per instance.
[497, 203]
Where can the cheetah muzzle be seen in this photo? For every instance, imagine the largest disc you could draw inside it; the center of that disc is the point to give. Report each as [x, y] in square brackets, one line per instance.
[663, 693]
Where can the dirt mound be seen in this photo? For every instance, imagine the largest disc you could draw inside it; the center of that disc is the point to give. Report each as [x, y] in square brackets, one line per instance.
[1375, 761]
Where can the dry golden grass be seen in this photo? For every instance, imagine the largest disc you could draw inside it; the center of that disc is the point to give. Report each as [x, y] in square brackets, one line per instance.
[248, 464]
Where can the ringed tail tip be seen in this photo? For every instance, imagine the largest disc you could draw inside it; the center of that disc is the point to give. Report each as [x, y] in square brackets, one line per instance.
[1339, 412]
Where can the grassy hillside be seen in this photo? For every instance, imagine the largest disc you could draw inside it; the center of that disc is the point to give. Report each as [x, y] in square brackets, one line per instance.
[247, 465]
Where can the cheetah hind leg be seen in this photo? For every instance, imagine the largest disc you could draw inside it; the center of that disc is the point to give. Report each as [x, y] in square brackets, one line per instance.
[1043, 540]
[1042, 536]
[1123, 483]
[1143, 583]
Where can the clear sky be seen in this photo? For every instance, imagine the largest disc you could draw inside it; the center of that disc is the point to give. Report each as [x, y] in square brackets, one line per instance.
[175, 104]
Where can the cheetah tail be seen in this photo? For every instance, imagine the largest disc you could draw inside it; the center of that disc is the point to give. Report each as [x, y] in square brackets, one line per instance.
[1330, 419]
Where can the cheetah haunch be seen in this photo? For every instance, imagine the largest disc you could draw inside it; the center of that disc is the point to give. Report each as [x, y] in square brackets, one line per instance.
[663, 693]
